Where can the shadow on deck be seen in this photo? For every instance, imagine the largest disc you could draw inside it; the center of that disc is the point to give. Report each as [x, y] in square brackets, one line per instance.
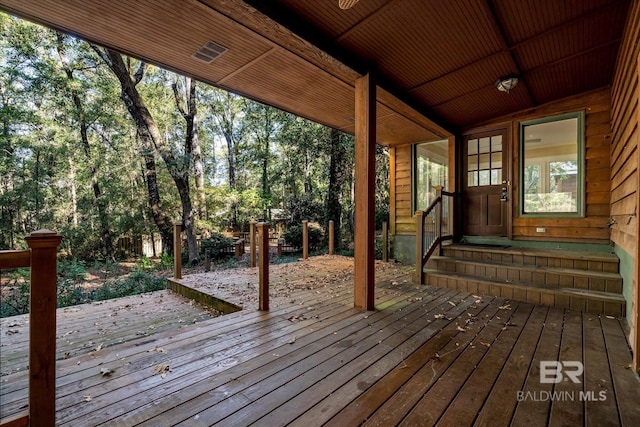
[424, 356]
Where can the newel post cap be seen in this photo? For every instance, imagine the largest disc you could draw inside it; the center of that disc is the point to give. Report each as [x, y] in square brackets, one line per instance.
[43, 239]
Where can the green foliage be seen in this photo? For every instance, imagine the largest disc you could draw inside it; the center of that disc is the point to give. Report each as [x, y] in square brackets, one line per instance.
[72, 270]
[293, 236]
[166, 260]
[15, 294]
[144, 263]
[71, 288]
[135, 283]
[215, 244]
[304, 207]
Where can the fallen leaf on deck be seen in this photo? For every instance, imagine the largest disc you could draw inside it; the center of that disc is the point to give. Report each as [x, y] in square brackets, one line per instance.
[452, 303]
[609, 317]
[87, 398]
[105, 372]
[162, 369]
[461, 329]
[486, 344]
[505, 307]
[98, 348]
[439, 316]
[292, 340]
[13, 331]
[158, 349]
[14, 324]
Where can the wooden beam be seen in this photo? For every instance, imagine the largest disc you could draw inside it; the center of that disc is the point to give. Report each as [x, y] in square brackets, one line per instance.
[263, 265]
[365, 172]
[392, 190]
[635, 338]
[14, 259]
[42, 334]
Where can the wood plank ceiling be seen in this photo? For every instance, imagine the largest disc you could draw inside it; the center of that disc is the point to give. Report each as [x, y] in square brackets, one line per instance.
[437, 61]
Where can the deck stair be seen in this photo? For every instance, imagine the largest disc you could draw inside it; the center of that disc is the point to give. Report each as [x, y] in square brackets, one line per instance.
[585, 281]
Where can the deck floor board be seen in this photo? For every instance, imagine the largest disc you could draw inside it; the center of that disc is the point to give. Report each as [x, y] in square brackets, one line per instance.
[424, 356]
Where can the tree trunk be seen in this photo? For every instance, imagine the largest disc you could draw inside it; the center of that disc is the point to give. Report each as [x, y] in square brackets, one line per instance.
[162, 221]
[192, 142]
[147, 125]
[84, 136]
[74, 192]
[337, 176]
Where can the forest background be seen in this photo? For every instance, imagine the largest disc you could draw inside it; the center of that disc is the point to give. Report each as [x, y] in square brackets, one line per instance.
[99, 146]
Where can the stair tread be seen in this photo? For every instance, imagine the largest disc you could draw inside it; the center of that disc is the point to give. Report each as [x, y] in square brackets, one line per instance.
[520, 250]
[558, 270]
[613, 297]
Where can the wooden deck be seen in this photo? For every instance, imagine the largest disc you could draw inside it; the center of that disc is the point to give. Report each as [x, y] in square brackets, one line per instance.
[425, 356]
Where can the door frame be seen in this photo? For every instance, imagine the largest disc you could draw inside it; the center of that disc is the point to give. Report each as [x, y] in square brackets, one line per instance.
[509, 150]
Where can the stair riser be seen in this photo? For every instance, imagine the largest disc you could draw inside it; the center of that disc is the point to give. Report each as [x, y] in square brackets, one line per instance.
[515, 273]
[547, 260]
[550, 297]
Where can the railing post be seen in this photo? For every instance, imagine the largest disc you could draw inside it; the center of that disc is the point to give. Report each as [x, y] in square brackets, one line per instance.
[280, 243]
[305, 239]
[177, 250]
[385, 242]
[252, 244]
[438, 189]
[263, 265]
[207, 260]
[42, 333]
[419, 245]
[331, 237]
[238, 248]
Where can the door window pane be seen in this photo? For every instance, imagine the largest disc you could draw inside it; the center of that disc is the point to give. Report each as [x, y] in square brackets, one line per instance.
[496, 176]
[483, 178]
[484, 161]
[485, 145]
[550, 165]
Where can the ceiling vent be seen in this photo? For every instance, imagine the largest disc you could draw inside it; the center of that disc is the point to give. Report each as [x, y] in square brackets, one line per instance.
[209, 51]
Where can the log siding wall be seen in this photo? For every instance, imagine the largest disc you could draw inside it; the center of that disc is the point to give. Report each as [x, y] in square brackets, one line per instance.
[625, 177]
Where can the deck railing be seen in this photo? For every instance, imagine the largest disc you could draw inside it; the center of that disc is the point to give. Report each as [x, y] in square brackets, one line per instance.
[42, 259]
[433, 226]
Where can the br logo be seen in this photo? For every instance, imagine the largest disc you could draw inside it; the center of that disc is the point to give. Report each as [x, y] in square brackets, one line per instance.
[553, 372]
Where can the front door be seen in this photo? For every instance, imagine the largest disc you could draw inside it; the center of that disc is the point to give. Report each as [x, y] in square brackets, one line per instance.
[486, 184]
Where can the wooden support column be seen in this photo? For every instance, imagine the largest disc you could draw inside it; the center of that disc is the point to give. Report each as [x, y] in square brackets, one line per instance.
[177, 250]
[365, 173]
[252, 244]
[305, 239]
[263, 265]
[331, 237]
[385, 242]
[42, 333]
[419, 245]
[635, 335]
